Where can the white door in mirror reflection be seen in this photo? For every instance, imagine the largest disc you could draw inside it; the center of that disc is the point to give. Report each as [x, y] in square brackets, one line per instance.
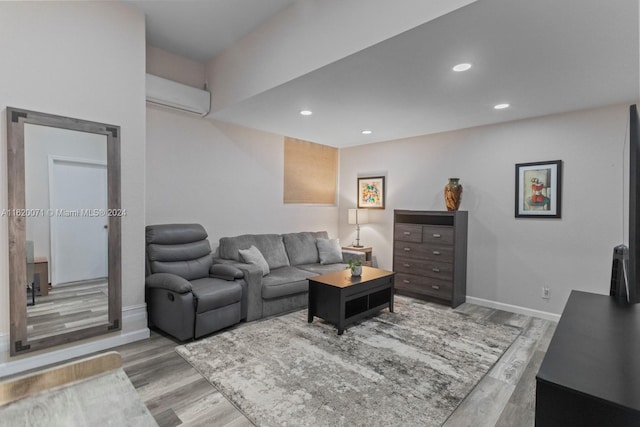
[79, 231]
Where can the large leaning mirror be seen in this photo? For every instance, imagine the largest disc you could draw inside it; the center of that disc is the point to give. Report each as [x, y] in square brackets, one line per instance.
[64, 217]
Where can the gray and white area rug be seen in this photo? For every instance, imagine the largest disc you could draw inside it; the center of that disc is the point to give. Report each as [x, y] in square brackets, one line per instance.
[412, 367]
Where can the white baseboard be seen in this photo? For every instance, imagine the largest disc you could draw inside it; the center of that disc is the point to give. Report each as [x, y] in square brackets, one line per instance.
[132, 318]
[133, 310]
[514, 308]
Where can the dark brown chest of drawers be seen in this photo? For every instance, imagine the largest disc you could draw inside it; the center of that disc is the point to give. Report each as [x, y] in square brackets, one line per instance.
[430, 255]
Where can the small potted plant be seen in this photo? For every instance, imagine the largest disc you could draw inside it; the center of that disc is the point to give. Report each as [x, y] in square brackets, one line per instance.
[356, 267]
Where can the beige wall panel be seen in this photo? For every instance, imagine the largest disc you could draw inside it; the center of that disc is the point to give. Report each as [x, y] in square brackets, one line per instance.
[310, 172]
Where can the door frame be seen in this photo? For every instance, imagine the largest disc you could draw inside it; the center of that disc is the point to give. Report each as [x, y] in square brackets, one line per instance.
[81, 161]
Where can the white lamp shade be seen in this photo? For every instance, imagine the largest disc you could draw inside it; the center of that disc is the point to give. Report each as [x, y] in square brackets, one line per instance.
[358, 216]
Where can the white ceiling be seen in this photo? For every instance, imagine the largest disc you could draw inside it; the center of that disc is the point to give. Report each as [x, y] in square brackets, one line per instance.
[201, 29]
[542, 57]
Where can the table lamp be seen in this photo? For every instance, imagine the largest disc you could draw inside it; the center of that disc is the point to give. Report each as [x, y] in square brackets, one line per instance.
[357, 217]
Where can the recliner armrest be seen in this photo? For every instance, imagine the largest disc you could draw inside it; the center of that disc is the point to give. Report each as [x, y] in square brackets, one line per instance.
[168, 281]
[225, 272]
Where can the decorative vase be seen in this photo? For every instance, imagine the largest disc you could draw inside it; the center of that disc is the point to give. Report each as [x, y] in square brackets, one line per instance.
[453, 194]
[356, 271]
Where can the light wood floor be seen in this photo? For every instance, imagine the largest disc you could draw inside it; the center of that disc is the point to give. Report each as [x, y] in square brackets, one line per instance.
[176, 394]
[68, 308]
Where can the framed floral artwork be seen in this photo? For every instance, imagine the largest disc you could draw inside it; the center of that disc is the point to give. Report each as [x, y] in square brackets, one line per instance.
[539, 189]
[371, 192]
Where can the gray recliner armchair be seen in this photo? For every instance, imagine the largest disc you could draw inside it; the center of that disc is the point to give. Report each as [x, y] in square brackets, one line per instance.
[186, 296]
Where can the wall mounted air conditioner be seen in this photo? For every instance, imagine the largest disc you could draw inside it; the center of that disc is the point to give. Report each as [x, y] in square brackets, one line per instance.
[176, 95]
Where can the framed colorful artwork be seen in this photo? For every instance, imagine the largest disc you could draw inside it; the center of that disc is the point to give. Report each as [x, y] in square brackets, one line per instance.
[371, 192]
[539, 189]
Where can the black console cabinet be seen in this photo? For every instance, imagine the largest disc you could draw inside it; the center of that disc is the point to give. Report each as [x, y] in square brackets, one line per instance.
[590, 375]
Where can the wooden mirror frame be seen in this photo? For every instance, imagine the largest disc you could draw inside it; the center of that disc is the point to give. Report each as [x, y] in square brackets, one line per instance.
[16, 119]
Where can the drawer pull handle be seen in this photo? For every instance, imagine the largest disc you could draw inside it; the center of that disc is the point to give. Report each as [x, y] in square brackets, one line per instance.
[436, 287]
[436, 252]
[435, 270]
[436, 236]
[407, 265]
[407, 281]
[407, 233]
[407, 249]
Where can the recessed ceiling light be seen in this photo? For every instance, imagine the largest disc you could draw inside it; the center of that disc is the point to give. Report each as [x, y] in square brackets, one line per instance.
[501, 106]
[306, 112]
[462, 67]
[366, 132]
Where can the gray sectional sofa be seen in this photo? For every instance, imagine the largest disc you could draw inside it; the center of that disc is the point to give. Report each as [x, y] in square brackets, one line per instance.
[292, 259]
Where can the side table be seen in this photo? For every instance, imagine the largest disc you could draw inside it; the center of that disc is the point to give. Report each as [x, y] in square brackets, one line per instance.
[41, 267]
[367, 250]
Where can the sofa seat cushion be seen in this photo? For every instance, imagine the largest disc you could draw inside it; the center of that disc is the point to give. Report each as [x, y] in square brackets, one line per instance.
[302, 248]
[285, 281]
[323, 269]
[215, 293]
[270, 245]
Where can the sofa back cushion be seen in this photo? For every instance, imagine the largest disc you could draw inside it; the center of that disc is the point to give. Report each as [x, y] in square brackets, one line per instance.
[180, 249]
[189, 269]
[270, 245]
[173, 234]
[302, 248]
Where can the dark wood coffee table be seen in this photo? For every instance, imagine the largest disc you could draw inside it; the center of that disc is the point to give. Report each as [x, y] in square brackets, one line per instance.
[342, 300]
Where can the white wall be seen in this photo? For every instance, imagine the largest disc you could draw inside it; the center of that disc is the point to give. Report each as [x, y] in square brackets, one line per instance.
[225, 177]
[84, 60]
[509, 259]
[175, 67]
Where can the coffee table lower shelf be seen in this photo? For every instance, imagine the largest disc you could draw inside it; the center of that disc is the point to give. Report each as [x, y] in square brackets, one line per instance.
[342, 300]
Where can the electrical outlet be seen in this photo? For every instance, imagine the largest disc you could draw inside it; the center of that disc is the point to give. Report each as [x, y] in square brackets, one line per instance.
[546, 292]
